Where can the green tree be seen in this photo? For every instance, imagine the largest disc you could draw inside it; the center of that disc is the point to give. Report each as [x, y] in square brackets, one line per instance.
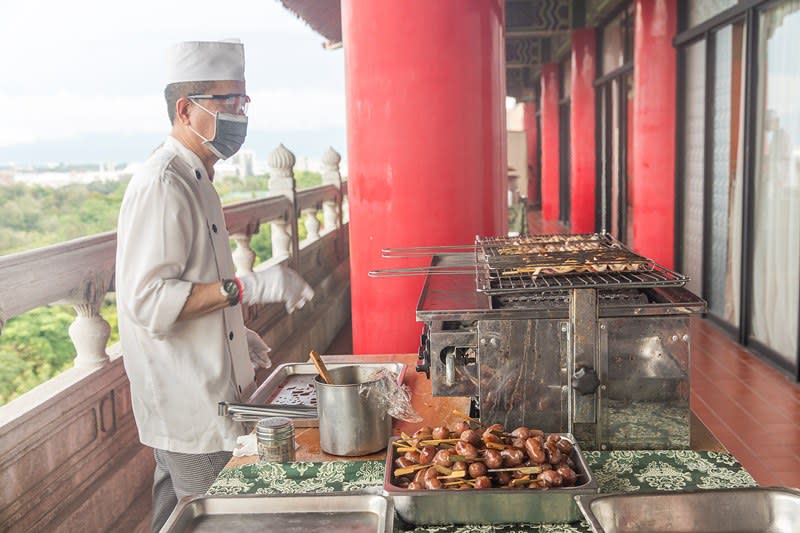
[34, 347]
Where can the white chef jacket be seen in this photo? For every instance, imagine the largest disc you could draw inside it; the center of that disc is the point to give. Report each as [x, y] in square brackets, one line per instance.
[172, 234]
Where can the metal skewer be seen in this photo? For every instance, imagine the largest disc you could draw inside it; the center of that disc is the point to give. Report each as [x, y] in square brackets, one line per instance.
[423, 271]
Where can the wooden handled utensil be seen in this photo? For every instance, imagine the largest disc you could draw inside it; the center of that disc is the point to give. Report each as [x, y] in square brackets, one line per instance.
[319, 364]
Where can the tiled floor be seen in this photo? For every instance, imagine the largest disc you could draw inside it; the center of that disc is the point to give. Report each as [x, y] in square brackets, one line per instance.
[750, 407]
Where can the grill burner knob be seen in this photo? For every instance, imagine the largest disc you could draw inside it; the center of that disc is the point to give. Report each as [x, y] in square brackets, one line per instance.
[424, 353]
[585, 380]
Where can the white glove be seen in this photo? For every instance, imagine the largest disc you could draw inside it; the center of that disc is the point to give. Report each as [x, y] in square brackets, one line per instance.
[276, 284]
[259, 351]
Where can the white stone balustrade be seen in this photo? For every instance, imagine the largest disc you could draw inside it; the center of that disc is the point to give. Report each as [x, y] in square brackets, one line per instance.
[312, 223]
[281, 164]
[77, 429]
[90, 331]
[243, 256]
[331, 176]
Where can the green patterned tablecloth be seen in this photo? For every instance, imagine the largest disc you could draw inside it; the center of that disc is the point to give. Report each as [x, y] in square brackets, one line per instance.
[617, 471]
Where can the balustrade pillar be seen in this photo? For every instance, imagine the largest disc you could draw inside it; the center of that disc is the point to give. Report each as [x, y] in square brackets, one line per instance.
[284, 232]
[312, 223]
[331, 210]
[243, 256]
[89, 331]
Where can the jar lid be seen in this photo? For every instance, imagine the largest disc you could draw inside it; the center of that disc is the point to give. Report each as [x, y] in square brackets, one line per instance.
[275, 427]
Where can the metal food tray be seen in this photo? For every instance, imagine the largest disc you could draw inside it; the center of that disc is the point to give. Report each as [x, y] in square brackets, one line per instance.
[773, 510]
[297, 513]
[293, 383]
[490, 506]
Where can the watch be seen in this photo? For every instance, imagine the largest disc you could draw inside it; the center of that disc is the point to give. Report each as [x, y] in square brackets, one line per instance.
[230, 290]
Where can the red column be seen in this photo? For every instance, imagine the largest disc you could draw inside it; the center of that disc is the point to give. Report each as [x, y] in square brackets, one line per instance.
[529, 123]
[550, 163]
[425, 89]
[582, 132]
[654, 130]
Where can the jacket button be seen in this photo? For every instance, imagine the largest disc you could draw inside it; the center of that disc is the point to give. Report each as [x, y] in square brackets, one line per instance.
[214, 228]
[198, 175]
[230, 335]
[240, 389]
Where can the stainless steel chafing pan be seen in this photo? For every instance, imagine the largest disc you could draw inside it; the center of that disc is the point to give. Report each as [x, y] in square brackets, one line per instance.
[490, 506]
[296, 513]
[772, 510]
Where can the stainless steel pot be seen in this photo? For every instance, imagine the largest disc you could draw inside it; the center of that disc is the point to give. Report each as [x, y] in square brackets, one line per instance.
[351, 423]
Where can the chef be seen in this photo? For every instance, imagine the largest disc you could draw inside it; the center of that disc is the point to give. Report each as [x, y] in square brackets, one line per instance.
[179, 302]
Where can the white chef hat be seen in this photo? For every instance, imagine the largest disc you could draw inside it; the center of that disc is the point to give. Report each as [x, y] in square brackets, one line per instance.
[206, 61]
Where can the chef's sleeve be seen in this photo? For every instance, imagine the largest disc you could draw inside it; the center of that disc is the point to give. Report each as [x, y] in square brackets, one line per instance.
[158, 230]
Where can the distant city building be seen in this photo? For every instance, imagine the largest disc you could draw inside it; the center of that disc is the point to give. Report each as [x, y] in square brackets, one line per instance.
[241, 165]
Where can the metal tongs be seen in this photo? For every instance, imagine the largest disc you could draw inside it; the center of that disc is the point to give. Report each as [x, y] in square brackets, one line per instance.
[427, 251]
[245, 412]
[464, 253]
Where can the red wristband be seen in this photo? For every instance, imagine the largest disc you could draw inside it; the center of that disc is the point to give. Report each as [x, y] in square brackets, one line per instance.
[238, 283]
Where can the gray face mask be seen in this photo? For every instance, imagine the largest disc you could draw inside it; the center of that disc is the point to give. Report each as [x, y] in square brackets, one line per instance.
[229, 133]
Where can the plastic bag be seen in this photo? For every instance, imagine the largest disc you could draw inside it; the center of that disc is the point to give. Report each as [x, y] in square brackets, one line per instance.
[382, 388]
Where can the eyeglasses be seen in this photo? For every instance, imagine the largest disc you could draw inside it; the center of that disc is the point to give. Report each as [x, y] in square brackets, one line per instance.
[235, 102]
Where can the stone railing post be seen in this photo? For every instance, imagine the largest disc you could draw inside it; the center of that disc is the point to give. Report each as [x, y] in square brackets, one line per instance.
[331, 210]
[312, 223]
[243, 256]
[284, 232]
[90, 331]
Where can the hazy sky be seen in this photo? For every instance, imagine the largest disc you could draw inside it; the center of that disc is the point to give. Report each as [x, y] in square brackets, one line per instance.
[88, 67]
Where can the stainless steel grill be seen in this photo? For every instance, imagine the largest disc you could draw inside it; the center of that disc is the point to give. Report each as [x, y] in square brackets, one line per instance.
[592, 260]
[571, 333]
[495, 281]
[503, 265]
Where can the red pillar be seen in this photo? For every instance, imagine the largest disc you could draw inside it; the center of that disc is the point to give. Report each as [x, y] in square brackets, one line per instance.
[425, 89]
[550, 162]
[529, 123]
[654, 130]
[582, 132]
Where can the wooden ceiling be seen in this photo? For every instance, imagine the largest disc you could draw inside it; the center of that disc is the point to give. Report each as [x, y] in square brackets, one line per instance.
[537, 32]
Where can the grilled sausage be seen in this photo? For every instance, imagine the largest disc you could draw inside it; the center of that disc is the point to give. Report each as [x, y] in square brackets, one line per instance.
[551, 478]
[493, 459]
[460, 426]
[443, 458]
[554, 455]
[568, 475]
[441, 432]
[534, 450]
[432, 484]
[466, 449]
[471, 436]
[427, 454]
[412, 456]
[502, 478]
[459, 465]
[402, 462]
[512, 457]
[521, 432]
[482, 482]
[493, 430]
[565, 446]
[477, 470]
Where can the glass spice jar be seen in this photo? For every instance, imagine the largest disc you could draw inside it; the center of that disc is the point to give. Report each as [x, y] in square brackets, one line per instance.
[275, 438]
